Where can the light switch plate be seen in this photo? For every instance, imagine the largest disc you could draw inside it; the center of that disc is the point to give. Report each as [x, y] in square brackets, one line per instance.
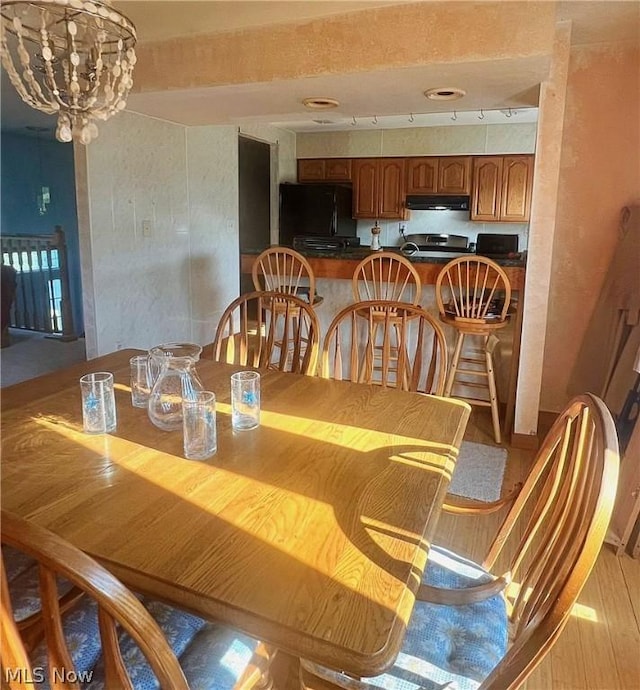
[146, 228]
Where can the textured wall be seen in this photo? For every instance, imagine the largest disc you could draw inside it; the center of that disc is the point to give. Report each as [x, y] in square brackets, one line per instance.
[414, 34]
[136, 287]
[171, 285]
[600, 173]
[420, 141]
[541, 233]
[212, 155]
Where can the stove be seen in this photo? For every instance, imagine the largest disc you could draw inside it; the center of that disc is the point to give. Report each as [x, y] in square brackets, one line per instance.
[435, 254]
[435, 246]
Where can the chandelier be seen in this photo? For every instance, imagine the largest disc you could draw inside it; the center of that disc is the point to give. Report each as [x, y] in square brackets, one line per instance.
[71, 58]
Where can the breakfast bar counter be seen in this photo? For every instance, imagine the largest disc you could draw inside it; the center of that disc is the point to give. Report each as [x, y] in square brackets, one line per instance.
[342, 263]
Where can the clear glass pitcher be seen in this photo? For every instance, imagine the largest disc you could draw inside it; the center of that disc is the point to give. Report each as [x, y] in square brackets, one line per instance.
[173, 370]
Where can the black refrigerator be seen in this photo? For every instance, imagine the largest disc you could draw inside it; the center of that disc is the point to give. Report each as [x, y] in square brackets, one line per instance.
[315, 211]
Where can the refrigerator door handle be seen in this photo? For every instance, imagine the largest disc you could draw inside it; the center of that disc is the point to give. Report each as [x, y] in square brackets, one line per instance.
[334, 217]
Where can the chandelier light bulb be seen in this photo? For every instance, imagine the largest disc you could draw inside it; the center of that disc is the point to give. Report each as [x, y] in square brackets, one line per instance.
[70, 58]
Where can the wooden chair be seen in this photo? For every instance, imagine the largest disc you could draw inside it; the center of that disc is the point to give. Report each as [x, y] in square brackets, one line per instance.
[268, 330]
[482, 630]
[385, 276]
[473, 296]
[109, 625]
[280, 269]
[411, 346]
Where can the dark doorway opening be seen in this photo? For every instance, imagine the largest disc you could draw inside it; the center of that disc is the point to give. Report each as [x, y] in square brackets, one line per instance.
[254, 213]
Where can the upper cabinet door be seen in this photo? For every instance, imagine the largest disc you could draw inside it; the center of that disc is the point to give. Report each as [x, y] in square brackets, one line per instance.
[311, 170]
[422, 175]
[365, 188]
[338, 169]
[324, 170]
[391, 187]
[487, 188]
[454, 175]
[517, 185]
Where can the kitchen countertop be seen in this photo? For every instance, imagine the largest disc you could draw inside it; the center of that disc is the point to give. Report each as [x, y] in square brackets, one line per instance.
[359, 253]
[341, 264]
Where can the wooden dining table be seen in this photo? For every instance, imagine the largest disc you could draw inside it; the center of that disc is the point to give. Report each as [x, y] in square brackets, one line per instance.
[310, 532]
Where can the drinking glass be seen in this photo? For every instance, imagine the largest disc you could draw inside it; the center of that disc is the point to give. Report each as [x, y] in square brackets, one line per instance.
[245, 400]
[98, 403]
[140, 380]
[199, 425]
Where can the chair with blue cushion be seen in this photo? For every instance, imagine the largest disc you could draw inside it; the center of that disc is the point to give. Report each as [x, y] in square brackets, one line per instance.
[473, 630]
[110, 637]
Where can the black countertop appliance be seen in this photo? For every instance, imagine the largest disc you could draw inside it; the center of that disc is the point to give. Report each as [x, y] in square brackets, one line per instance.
[496, 246]
[313, 213]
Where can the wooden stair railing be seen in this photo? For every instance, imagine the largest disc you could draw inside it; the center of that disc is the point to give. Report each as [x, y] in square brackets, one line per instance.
[40, 262]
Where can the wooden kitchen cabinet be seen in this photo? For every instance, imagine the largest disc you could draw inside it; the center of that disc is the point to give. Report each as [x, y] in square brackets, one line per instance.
[324, 170]
[438, 175]
[422, 175]
[501, 188]
[378, 188]
[517, 185]
[486, 188]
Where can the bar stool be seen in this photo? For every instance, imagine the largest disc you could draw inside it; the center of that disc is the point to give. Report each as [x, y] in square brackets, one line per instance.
[391, 277]
[280, 269]
[473, 296]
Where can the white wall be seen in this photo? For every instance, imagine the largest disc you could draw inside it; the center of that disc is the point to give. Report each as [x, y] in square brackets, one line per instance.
[436, 222]
[171, 285]
[212, 175]
[420, 141]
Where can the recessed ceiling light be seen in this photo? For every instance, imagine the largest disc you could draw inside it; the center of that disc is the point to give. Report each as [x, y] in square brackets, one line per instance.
[445, 94]
[317, 103]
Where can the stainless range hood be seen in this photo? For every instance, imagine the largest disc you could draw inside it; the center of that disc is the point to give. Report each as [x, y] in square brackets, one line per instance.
[433, 202]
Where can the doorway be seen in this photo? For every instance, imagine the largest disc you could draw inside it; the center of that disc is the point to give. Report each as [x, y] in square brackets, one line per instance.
[254, 200]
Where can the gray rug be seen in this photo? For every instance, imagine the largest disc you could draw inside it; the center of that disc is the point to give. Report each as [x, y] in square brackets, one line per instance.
[479, 472]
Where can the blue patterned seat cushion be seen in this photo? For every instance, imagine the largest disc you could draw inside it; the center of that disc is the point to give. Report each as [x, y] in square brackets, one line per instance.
[445, 646]
[23, 582]
[211, 656]
[15, 562]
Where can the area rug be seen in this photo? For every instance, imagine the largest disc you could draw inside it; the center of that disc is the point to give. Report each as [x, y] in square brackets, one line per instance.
[479, 472]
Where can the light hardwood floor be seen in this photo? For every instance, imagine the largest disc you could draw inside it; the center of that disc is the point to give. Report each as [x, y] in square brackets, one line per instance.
[600, 647]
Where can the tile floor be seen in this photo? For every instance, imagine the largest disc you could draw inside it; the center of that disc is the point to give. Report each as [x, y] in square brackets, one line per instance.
[31, 354]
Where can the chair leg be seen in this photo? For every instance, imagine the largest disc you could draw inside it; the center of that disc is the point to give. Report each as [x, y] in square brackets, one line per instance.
[368, 362]
[406, 369]
[454, 364]
[309, 681]
[493, 394]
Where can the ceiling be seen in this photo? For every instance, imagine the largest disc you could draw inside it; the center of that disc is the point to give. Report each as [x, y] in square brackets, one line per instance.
[386, 99]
